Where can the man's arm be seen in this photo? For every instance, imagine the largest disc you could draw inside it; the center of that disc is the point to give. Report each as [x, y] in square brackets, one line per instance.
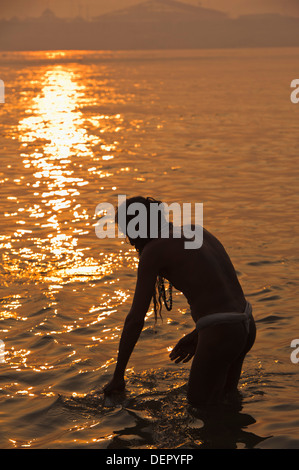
[146, 280]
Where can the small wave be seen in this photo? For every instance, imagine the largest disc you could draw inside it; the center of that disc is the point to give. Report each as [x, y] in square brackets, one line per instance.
[271, 319]
[279, 442]
[265, 262]
[267, 299]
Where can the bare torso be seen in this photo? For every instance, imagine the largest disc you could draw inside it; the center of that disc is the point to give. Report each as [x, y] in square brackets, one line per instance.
[205, 275]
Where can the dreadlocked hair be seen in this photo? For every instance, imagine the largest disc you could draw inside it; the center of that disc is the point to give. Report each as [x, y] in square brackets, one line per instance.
[160, 295]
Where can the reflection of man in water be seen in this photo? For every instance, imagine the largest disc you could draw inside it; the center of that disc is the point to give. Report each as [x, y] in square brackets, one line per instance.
[225, 329]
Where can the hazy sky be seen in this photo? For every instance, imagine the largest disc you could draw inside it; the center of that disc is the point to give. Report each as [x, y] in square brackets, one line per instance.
[90, 8]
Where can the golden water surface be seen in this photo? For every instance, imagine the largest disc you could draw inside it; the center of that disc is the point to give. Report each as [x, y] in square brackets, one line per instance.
[79, 128]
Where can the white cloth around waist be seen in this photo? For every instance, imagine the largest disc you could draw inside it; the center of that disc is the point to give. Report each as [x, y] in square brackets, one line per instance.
[226, 317]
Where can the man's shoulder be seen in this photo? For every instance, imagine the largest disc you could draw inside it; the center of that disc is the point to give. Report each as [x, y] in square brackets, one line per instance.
[152, 248]
[154, 251]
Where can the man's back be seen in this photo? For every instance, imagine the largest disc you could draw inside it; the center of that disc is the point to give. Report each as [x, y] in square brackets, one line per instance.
[205, 275]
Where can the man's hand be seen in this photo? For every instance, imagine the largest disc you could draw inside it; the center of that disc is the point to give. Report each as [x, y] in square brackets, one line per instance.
[114, 386]
[185, 348]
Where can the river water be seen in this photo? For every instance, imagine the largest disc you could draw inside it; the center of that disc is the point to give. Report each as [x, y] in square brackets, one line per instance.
[79, 128]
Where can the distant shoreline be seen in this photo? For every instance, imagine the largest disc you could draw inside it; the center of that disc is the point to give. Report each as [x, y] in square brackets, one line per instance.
[79, 34]
[3, 52]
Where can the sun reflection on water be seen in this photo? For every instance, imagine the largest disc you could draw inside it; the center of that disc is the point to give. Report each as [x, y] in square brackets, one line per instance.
[65, 156]
[56, 118]
[73, 297]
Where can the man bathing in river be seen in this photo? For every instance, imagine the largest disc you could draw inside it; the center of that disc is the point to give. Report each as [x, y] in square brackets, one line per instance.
[224, 326]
